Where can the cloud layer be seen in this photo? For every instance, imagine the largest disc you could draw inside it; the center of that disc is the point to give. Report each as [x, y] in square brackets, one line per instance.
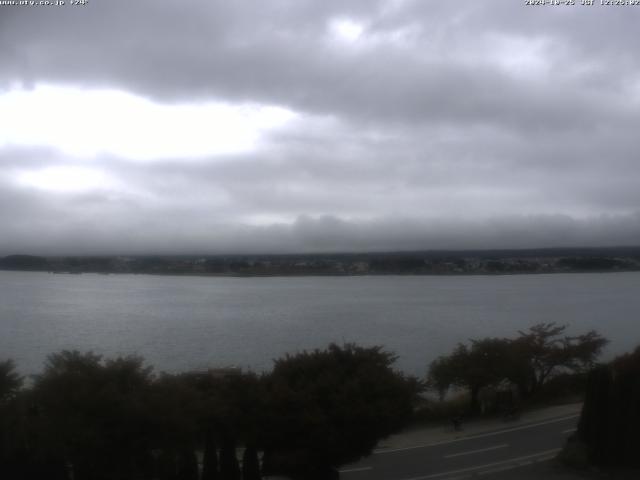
[317, 126]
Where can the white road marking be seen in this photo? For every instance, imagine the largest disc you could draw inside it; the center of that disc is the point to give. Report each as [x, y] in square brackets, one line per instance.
[521, 464]
[569, 430]
[517, 460]
[471, 452]
[360, 469]
[471, 437]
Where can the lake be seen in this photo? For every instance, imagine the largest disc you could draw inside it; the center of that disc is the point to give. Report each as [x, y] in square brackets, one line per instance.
[180, 323]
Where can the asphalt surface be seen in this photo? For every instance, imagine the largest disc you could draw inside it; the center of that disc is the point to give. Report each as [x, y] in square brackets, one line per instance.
[484, 455]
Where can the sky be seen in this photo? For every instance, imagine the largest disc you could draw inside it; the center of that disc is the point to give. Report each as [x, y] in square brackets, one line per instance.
[280, 126]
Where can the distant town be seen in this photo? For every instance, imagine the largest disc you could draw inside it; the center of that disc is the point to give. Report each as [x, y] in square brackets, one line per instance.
[481, 262]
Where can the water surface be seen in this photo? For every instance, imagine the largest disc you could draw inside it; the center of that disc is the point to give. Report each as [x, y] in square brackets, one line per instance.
[181, 323]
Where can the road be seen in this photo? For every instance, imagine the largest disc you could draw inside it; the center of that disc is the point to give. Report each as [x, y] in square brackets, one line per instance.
[481, 455]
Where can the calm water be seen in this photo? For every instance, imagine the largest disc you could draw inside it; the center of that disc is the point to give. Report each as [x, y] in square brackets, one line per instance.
[193, 322]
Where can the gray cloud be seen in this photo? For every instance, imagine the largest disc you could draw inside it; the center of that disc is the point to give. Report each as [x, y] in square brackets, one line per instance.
[445, 124]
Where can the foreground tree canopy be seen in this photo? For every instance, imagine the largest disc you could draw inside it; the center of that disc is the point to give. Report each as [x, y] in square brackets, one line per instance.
[331, 407]
[610, 421]
[10, 381]
[527, 361]
[86, 418]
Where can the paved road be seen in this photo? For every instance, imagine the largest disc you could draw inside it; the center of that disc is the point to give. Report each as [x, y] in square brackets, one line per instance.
[482, 455]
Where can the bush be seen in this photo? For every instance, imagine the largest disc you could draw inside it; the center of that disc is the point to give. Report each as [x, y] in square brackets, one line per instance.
[432, 411]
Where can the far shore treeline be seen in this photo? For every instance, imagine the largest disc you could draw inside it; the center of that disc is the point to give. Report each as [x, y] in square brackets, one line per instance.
[550, 260]
[85, 417]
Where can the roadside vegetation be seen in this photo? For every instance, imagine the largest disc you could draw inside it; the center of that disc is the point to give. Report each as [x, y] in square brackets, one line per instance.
[498, 375]
[607, 435]
[89, 418]
[85, 417]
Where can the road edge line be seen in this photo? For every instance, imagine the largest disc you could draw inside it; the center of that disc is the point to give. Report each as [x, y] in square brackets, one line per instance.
[480, 435]
[492, 464]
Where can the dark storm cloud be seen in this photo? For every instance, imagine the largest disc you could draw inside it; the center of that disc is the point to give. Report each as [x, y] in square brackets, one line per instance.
[437, 124]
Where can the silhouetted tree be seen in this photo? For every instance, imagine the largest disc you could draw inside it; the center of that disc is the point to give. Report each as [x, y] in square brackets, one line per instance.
[187, 464]
[210, 458]
[528, 361]
[610, 419]
[167, 465]
[543, 350]
[16, 454]
[89, 418]
[96, 412]
[10, 381]
[482, 363]
[330, 407]
[229, 467]
[250, 464]
[24, 262]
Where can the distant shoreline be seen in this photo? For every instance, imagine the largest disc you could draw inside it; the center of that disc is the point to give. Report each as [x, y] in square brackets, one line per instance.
[432, 263]
[334, 275]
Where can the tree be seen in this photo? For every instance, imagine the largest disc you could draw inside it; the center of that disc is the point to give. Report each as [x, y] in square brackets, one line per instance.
[10, 381]
[543, 351]
[13, 457]
[95, 413]
[610, 419]
[210, 458]
[23, 262]
[481, 364]
[250, 464]
[229, 467]
[230, 412]
[187, 465]
[329, 407]
[528, 361]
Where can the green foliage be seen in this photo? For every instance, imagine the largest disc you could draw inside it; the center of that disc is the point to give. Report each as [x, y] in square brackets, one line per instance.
[610, 418]
[94, 412]
[528, 361]
[231, 402]
[111, 419]
[329, 407]
[12, 454]
[174, 406]
[543, 351]
[10, 381]
[561, 389]
[483, 363]
[441, 411]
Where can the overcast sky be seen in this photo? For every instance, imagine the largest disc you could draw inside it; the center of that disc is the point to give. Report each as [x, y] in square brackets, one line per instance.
[316, 125]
